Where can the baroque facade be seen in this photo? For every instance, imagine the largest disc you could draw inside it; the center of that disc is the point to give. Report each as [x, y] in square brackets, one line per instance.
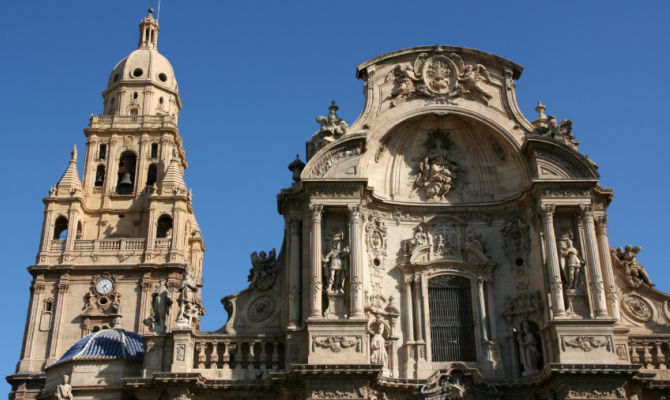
[440, 246]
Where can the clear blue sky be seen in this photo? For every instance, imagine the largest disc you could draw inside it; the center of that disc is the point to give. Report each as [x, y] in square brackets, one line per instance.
[254, 75]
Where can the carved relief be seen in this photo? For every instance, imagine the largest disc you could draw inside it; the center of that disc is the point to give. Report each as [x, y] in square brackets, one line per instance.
[529, 348]
[343, 393]
[637, 307]
[440, 78]
[596, 394]
[517, 240]
[260, 309]
[634, 272]
[586, 343]
[180, 352]
[190, 304]
[622, 352]
[560, 131]
[524, 304]
[435, 172]
[376, 240]
[337, 343]
[263, 272]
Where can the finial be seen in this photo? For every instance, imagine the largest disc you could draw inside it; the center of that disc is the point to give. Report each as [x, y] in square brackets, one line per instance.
[333, 107]
[74, 153]
[540, 110]
[151, 11]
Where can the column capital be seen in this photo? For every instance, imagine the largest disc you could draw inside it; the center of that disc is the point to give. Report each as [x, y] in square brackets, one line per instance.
[316, 211]
[601, 224]
[547, 210]
[354, 211]
[586, 210]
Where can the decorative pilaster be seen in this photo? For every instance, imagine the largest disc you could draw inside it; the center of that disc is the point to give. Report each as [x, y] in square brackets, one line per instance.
[356, 265]
[418, 329]
[36, 290]
[606, 264]
[547, 212]
[294, 273]
[482, 309]
[55, 333]
[593, 261]
[407, 309]
[315, 307]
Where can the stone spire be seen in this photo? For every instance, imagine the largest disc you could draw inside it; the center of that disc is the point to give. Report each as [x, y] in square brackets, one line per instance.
[173, 181]
[149, 31]
[70, 181]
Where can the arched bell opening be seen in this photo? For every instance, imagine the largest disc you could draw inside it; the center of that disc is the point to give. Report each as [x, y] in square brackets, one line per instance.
[152, 174]
[164, 227]
[60, 228]
[99, 176]
[126, 178]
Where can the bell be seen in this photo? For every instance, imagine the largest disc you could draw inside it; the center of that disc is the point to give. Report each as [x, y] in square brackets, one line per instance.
[99, 180]
[125, 179]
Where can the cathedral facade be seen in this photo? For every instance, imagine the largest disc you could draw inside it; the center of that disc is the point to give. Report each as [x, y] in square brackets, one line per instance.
[441, 246]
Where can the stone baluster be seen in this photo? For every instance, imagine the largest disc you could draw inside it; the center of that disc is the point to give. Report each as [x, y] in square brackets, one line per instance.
[648, 358]
[418, 329]
[407, 297]
[275, 356]
[606, 264]
[200, 348]
[634, 355]
[593, 260]
[660, 357]
[263, 358]
[356, 264]
[214, 358]
[238, 349]
[315, 309]
[251, 358]
[547, 212]
[225, 359]
[294, 274]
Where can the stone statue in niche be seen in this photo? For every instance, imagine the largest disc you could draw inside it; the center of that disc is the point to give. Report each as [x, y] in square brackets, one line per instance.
[160, 305]
[335, 264]
[64, 390]
[530, 355]
[263, 271]
[190, 305]
[635, 273]
[571, 264]
[378, 353]
[436, 171]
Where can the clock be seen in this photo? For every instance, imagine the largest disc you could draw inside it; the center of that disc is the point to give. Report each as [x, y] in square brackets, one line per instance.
[104, 286]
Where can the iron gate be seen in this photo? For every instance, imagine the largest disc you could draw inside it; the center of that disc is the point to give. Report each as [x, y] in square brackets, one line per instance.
[451, 326]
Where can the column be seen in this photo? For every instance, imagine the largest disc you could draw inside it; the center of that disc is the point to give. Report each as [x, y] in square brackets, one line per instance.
[482, 309]
[73, 217]
[315, 308]
[294, 273]
[606, 264]
[493, 335]
[32, 323]
[418, 329]
[356, 265]
[409, 320]
[547, 212]
[593, 261]
[89, 162]
[47, 229]
[54, 351]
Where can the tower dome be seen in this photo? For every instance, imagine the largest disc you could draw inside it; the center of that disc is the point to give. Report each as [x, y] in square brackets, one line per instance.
[143, 83]
[106, 344]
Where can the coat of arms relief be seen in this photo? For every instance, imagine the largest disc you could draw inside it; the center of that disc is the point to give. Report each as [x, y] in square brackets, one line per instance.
[439, 77]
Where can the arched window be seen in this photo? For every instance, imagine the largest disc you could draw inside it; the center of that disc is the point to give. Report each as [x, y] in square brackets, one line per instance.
[154, 149]
[80, 230]
[60, 228]
[451, 325]
[126, 181]
[102, 149]
[152, 174]
[100, 175]
[164, 226]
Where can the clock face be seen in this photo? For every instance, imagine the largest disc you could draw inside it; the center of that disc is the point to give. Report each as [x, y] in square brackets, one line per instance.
[104, 286]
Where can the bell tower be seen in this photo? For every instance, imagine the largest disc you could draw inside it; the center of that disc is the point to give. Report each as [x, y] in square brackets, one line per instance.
[110, 239]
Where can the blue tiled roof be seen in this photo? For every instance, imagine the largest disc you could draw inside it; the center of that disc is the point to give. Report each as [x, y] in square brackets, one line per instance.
[107, 344]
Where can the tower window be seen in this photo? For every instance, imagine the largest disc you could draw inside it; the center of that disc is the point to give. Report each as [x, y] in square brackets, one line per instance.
[48, 306]
[137, 72]
[154, 149]
[164, 226]
[60, 228]
[162, 77]
[100, 176]
[126, 181]
[135, 95]
[160, 100]
[451, 324]
[152, 174]
[102, 149]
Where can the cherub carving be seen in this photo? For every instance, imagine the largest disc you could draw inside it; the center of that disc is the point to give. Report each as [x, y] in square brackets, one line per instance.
[635, 273]
[420, 238]
[64, 390]
[469, 80]
[435, 171]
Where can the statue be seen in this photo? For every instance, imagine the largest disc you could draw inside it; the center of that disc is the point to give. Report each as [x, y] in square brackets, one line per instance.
[332, 127]
[469, 78]
[263, 270]
[378, 354]
[160, 305]
[571, 264]
[335, 264]
[190, 306]
[635, 273]
[420, 238]
[434, 171]
[439, 244]
[529, 355]
[64, 390]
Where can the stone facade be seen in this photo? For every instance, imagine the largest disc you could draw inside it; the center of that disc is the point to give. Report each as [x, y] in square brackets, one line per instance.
[440, 246]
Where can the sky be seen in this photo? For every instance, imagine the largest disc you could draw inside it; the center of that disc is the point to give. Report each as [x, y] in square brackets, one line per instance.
[254, 75]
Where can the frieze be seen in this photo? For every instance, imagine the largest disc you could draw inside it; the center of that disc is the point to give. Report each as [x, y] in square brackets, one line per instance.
[332, 189]
[596, 394]
[587, 343]
[337, 343]
[637, 307]
[342, 393]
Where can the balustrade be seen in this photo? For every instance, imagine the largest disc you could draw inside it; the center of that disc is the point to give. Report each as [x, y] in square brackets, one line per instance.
[652, 352]
[104, 245]
[242, 357]
[109, 121]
